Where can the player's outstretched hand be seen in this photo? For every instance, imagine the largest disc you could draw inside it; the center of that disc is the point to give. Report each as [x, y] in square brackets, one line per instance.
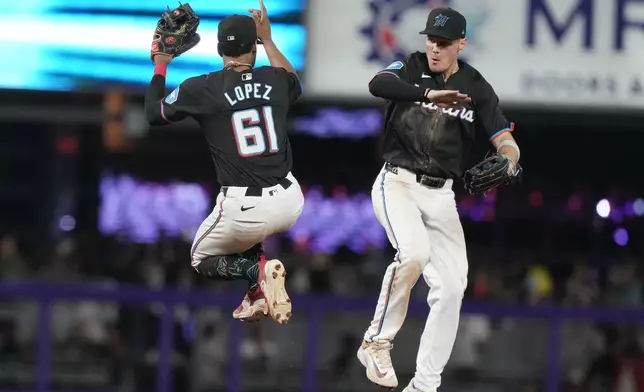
[262, 22]
[446, 98]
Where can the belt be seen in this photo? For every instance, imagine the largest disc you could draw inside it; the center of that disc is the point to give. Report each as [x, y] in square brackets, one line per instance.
[255, 191]
[421, 178]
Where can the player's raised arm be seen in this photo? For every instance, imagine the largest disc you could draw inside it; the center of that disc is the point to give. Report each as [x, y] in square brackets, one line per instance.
[180, 103]
[175, 34]
[154, 110]
[263, 24]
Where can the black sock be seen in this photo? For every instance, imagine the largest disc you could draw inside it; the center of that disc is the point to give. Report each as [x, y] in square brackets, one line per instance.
[257, 249]
[254, 253]
[230, 267]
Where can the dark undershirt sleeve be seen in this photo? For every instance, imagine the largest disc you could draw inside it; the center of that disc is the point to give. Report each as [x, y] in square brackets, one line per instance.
[389, 86]
[153, 96]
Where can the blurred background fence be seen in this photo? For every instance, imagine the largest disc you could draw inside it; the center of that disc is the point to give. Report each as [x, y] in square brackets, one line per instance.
[98, 210]
[547, 326]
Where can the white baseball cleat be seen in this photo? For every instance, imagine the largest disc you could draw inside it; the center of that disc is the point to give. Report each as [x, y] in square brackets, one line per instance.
[271, 280]
[411, 387]
[376, 358]
[253, 307]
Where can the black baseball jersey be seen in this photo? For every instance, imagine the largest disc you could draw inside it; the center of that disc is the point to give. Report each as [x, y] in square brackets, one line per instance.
[243, 116]
[440, 152]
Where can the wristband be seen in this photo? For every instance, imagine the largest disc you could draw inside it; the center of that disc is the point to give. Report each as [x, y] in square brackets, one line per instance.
[160, 69]
[510, 143]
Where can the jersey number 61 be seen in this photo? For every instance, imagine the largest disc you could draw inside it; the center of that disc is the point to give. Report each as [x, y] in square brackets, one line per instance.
[251, 139]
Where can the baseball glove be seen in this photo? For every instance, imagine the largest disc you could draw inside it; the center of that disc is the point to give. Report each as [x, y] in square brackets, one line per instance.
[489, 174]
[176, 32]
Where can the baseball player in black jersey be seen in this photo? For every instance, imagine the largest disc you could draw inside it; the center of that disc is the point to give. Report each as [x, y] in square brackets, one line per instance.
[242, 111]
[413, 197]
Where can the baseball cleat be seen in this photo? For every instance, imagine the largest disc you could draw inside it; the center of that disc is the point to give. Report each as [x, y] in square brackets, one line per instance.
[411, 387]
[253, 308]
[271, 280]
[376, 358]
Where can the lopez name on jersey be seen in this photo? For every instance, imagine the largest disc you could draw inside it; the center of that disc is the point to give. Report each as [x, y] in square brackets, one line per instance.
[249, 91]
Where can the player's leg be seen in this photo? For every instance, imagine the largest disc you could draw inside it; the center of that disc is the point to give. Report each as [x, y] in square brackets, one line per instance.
[217, 254]
[253, 307]
[282, 205]
[446, 275]
[238, 223]
[398, 214]
[249, 219]
[267, 296]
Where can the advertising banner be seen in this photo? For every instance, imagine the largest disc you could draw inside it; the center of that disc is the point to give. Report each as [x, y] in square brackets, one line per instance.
[562, 53]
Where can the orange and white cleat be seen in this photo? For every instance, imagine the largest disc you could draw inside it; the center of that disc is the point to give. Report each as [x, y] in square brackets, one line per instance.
[272, 276]
[253, 308]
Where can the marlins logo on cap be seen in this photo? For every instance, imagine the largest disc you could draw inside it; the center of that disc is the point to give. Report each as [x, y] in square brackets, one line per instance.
[440, 20]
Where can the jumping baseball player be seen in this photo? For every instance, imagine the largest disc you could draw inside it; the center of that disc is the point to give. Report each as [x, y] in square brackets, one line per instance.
[435, 105]
[242, 112]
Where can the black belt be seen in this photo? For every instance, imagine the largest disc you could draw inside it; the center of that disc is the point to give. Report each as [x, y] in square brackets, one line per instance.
[255, 191]
[421, 178]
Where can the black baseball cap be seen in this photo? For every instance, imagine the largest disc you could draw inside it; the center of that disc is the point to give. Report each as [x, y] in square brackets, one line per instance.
[238, 30]
[445, 23]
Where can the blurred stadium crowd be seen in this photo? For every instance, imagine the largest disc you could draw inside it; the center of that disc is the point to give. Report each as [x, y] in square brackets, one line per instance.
[115, 345]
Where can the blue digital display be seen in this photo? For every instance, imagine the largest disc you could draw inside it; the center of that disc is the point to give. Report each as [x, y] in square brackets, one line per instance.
[89, 44]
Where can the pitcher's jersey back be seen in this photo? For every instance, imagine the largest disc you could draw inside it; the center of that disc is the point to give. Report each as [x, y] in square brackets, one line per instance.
[243, 116]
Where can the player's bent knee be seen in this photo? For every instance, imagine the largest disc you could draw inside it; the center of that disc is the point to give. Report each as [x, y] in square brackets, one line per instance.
[419, 257]
[411, 265]
[408, 272]
[452, 291]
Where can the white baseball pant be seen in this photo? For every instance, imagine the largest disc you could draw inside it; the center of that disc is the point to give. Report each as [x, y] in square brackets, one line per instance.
[424, 227]
[239, 222]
